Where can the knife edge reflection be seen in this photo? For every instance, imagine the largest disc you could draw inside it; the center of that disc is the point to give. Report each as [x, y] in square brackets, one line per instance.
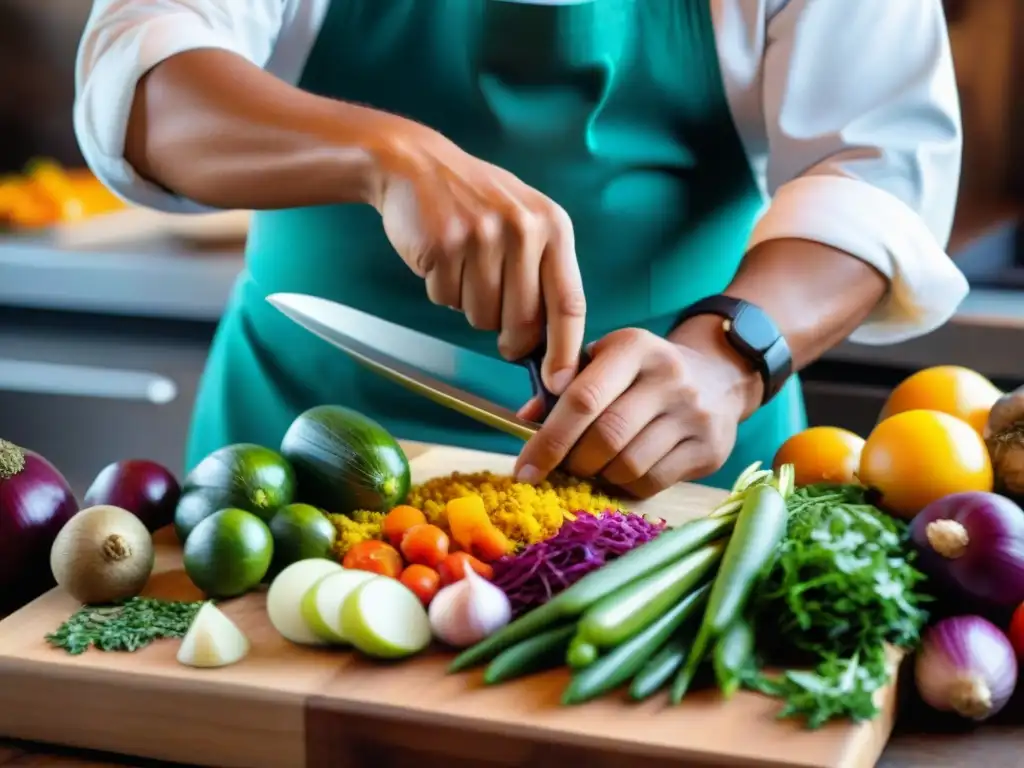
[295, 307]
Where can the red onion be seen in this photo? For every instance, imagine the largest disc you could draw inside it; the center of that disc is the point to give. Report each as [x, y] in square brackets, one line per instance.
[35, 502]
[973, 542]
[966, 665]
[146, 489]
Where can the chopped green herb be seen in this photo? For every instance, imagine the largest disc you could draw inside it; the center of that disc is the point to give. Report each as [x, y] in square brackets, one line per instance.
[842, 587]
[126, 626]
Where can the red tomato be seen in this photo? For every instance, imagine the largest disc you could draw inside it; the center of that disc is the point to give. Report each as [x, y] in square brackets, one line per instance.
[1016, 631]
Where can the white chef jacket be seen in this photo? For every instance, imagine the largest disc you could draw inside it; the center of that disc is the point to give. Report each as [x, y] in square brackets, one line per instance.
[847, 109]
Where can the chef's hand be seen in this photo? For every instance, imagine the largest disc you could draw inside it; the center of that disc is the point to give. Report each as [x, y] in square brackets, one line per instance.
[646, 412]
[486, 243]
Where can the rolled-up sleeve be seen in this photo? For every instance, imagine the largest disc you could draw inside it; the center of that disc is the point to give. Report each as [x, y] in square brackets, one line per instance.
[864, 148]
[123, 40]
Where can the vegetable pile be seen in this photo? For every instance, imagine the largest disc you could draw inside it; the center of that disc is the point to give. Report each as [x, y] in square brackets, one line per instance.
[799, 585]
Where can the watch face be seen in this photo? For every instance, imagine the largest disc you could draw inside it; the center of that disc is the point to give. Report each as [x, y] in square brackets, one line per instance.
[755, 330]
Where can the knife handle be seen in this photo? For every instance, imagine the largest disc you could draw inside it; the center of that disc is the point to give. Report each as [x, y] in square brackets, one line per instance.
[532, 363]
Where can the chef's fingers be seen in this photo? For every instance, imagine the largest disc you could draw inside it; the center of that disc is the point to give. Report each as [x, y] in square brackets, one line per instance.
[565, 305]
[482, 273]
[533, 410]
[639, 466]
[444, 278]
[588, 396]
[615, 429]
[522, 313]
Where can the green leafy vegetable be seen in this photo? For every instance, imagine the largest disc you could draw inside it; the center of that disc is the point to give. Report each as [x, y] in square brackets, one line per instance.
[125, 626]
[842, 587]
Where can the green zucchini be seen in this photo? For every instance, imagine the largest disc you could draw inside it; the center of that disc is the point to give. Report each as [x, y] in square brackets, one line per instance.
[732, 656]
[660, 668]
[345, 461]
[759, 529]
[623, 662]
[568, 605]
[536, 654]
[628, 610]
[580, 653]
[241, 476]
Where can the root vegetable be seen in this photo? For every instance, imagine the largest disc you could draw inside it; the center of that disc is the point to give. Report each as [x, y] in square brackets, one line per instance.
[103, 554]
[1004, 436]
[212, 640]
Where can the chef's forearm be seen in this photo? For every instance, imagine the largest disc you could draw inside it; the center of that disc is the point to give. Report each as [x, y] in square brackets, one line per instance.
[212, 127]
[817, 296]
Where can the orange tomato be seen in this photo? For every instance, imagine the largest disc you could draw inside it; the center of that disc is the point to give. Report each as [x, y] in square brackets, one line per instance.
[916, 457]
[950, 389]
[399, 520]
[376, 557]
[453, 568]
[822, 455]
[425, 544]
[424, 582]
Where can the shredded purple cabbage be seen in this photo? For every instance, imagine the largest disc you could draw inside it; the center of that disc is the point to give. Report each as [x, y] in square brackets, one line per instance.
[540, 571]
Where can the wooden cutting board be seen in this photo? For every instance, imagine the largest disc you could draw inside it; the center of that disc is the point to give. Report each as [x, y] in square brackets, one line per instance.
[285, 706]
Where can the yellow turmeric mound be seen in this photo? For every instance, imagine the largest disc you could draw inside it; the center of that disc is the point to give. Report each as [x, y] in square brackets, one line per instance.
[524, 513]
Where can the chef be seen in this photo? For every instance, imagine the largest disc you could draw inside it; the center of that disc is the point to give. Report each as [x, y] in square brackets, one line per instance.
[708, 193]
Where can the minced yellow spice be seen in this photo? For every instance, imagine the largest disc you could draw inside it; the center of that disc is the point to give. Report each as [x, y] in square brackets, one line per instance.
[524, 513]
[354, 528]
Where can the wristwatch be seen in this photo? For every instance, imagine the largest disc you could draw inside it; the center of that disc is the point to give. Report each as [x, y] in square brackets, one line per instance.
[753, 334]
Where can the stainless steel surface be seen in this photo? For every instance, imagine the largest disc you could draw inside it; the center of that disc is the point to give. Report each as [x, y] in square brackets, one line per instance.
[162, 279]
[402, 355]
[81, 433]
[85, 381]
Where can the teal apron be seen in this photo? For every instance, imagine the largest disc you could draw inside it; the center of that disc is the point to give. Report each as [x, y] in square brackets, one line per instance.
[615, 109]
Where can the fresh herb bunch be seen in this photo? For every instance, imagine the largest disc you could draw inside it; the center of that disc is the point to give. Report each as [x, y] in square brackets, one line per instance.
[842, 587]
[126, 626]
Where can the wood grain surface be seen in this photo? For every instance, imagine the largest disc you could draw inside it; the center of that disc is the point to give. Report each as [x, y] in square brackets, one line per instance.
[290, 706]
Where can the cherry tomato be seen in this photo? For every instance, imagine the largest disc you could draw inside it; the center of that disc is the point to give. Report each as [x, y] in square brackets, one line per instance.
[453, 568]
[399, 520]
[425, 545]
[376, 557]
[423, 581]
[1016, 631]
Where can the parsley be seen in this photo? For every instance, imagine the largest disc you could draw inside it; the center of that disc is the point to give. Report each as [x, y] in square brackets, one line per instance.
[125, 626]
[842, 587]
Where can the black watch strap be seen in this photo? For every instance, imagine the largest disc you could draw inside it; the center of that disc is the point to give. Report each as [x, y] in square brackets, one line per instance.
[753, 334]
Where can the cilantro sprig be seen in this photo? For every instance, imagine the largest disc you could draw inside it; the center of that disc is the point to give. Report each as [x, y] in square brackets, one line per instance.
[842, 588]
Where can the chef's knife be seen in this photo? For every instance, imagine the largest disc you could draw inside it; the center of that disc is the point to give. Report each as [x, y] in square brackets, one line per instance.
[412, 359]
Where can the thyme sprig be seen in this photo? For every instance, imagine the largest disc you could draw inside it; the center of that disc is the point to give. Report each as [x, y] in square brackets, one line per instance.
[126, 626]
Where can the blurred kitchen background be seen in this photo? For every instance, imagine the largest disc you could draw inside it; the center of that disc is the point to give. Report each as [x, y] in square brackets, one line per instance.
[106, 314]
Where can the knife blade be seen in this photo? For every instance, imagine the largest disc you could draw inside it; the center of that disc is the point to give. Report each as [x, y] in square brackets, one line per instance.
[409, 358]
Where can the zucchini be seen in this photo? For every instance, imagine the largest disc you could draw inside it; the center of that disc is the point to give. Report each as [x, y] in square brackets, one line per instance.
[536, 654]
[580, 653]
[759, 529]
[660, 668]
[345, 461]
[732, 656]
[626, 611]
[241, 476]
[626, 660]
[568, 605]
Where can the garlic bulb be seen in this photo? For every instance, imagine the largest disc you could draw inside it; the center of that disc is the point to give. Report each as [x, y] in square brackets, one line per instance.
[468, 611]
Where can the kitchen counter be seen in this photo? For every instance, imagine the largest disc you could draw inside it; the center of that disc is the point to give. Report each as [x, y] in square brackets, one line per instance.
[167, 279]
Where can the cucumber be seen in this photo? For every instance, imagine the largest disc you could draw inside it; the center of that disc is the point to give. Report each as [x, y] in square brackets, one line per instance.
[568, 605]
[536, 654]
[732, 655]
[626, 611]
[760, 527]
[660, 668]
[580, 653]
[623, 662]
